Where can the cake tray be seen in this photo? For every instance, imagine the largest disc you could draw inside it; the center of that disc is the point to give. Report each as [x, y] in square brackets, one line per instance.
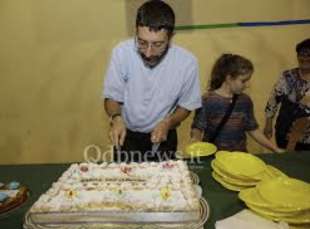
[131, 220]
[195, 178]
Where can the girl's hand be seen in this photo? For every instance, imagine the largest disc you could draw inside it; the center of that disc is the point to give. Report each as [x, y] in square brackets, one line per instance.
[193, 140]
[279, 150]
[268, 132]
[196, 135]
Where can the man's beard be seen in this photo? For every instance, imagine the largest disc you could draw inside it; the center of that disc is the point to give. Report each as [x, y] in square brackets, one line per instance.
[153, 61]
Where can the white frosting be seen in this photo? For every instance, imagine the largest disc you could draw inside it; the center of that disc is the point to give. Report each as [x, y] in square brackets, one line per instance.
[146, 186]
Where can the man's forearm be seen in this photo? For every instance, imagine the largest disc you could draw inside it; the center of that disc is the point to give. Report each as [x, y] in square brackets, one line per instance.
[112, 107]
[177, 117]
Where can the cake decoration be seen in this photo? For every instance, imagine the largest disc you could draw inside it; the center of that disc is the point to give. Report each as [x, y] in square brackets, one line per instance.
[165, 193]
[71, 194]
[125, 169]
[84, 168]
[168, 165]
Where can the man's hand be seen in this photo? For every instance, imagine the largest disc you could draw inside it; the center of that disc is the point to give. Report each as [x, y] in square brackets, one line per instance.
[118, 131]
[118, 128]
[160, 132]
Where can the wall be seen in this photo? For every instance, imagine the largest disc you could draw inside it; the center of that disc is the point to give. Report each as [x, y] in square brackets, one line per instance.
[54, 55]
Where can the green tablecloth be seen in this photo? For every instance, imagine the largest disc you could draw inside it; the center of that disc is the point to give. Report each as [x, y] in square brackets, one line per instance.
[223, 203]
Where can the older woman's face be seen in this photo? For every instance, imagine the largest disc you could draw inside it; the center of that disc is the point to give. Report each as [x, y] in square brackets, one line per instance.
[304, 64]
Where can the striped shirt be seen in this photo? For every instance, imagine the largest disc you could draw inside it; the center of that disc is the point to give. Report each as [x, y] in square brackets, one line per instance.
[233, 134]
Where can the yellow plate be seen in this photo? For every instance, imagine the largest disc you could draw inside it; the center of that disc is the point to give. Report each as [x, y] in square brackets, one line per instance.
[269, 173]
[273, 172]
[302, 218]
[200, 149]
[229, 186]
[252, 196]
[250, 180]
[286, 192]
[234, 175]
[222, 152]
[274, 213]
[230, 179]
[241, 164]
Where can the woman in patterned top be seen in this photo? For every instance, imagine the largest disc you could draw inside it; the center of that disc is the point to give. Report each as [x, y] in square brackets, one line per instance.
[229, 78]
[292, 91]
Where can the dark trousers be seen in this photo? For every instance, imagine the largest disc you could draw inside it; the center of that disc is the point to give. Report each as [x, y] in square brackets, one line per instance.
[288, 113]
[282, 143]
[302, 147]
[138, 147]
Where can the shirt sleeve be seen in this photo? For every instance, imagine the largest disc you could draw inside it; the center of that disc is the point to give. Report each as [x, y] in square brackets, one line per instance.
[279, 90]
[190, 97]
[114, 83]
[200, 117]
[251, 123]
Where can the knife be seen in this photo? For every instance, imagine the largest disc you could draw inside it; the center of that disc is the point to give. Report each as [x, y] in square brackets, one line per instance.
[155, 147]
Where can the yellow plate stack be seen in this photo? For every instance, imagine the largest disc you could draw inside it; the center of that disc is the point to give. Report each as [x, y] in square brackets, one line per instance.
[238, 170]
[280, 199]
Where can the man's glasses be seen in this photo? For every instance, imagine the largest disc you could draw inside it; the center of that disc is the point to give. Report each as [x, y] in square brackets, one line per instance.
[144, 45]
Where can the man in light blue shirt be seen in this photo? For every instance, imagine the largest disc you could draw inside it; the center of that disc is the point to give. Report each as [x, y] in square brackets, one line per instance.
[150, 87]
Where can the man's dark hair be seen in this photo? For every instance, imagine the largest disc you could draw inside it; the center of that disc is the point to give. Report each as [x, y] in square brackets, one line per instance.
[156, 15]
[303, 47]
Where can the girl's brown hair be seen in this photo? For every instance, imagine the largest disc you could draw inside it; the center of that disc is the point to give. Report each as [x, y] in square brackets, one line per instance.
[229, 64]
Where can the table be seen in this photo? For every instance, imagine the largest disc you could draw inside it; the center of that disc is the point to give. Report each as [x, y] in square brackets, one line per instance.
[223, 203]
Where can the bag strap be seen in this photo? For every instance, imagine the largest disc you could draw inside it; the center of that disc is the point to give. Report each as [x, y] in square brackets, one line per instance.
[224, 119]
